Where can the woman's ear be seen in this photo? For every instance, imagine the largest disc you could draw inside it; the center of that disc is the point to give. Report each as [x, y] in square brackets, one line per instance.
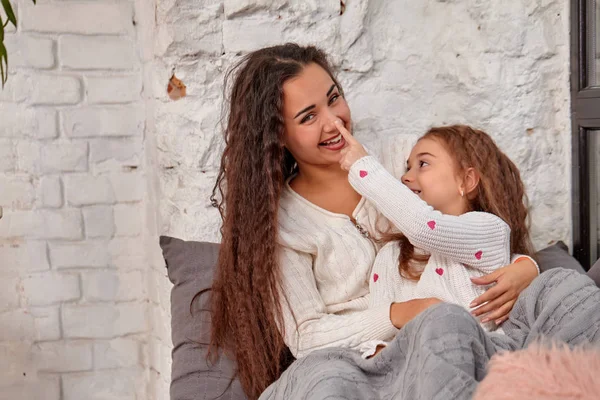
[470, 181]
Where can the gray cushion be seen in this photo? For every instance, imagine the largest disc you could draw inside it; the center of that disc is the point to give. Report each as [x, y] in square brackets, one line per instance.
[190, 268]
[556, 256]
[594, 272]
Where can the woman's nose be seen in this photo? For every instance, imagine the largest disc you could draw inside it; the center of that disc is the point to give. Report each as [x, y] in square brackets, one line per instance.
[330, 124]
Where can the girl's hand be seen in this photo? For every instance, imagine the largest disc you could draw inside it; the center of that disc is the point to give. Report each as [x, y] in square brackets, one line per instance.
[377, 351]
[402, 313]
[510, 282]
[353, 151]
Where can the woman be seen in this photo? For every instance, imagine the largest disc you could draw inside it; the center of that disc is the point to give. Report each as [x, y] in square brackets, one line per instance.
[297, 245]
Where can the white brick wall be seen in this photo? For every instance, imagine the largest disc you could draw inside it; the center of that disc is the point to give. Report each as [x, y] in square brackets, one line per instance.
[95, 52]
[405, 65]
[75, 315]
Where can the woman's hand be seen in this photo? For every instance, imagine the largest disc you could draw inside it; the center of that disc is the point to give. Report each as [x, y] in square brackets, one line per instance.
[402, 313]
[353, 151]
[500, 299]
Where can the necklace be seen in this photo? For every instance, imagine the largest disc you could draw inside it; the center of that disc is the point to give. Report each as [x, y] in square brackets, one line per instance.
[359, 227]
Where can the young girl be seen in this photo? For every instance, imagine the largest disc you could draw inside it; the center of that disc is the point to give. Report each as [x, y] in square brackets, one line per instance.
[460, 208]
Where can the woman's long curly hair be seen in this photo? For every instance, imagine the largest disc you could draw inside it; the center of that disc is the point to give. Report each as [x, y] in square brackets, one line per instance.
[245, 302]
[500, 190]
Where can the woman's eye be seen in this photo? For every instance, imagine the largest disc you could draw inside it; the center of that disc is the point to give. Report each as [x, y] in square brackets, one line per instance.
[307, 118]
[333, 98]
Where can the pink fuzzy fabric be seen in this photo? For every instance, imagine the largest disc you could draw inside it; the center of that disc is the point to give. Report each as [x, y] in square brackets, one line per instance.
[542, 373]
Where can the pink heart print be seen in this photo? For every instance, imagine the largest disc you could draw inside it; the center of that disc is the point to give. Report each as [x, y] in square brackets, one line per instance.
[478, 255]
[363, 173]
[375, 277]
[439, 271]
[431, 224]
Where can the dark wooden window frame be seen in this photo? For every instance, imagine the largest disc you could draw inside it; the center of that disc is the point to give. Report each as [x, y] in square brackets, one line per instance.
[585, 117]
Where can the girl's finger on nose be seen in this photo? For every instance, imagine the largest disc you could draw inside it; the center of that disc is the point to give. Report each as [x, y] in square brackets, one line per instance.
[345, 133]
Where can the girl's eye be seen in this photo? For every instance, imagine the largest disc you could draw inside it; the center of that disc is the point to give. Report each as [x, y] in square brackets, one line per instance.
[333, 98]
[423, 163]
[307, 118]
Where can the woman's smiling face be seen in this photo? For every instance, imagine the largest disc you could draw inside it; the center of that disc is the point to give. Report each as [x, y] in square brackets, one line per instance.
[311, 104]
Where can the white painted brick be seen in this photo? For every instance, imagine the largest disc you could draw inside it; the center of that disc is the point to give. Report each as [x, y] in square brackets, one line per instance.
[20, 121]
[17, 325]
[113, 286]
[46, 321]
[115, 154]
[55, 90]
[128, 219]
[86, 18]
[16, 89]
[243, 35]
[50, 288]
[120, 384]
[84, 190]
[128, 187]
[103, 321]
[98, 221]
[46, 123]
[329, 8]
[128, 253]
[28, 157]
[198, 32]
[43, 224]
[160, 355]
[97, 52]
[91, 253]
[8, 156]
[117, 353]
[50, 193]
[15, 363]
[61, 224]
[9, 292]
[46, 388]
[30, 51]
[64, 356]
[104, 121]
[64, 156]
[20, 256]
[113, 89]
[159, 288]
[159, 328]
[235, 7]
[16, 192]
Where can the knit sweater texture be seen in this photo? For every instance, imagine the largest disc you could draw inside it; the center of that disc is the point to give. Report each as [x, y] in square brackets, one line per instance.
[327, 263]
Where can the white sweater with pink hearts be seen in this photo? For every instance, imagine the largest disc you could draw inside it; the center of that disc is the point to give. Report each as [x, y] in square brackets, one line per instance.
[461, 247]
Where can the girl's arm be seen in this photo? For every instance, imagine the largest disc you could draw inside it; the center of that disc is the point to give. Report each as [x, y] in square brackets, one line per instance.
[479, 240]
[307, 324]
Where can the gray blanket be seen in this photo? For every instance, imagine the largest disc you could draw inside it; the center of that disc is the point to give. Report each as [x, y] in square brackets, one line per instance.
[443, 353]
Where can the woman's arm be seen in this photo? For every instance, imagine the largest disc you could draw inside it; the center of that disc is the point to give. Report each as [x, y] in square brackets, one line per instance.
[307, 324]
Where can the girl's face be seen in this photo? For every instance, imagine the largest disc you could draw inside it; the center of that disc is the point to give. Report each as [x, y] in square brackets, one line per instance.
[433, 174]
[311, 104]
